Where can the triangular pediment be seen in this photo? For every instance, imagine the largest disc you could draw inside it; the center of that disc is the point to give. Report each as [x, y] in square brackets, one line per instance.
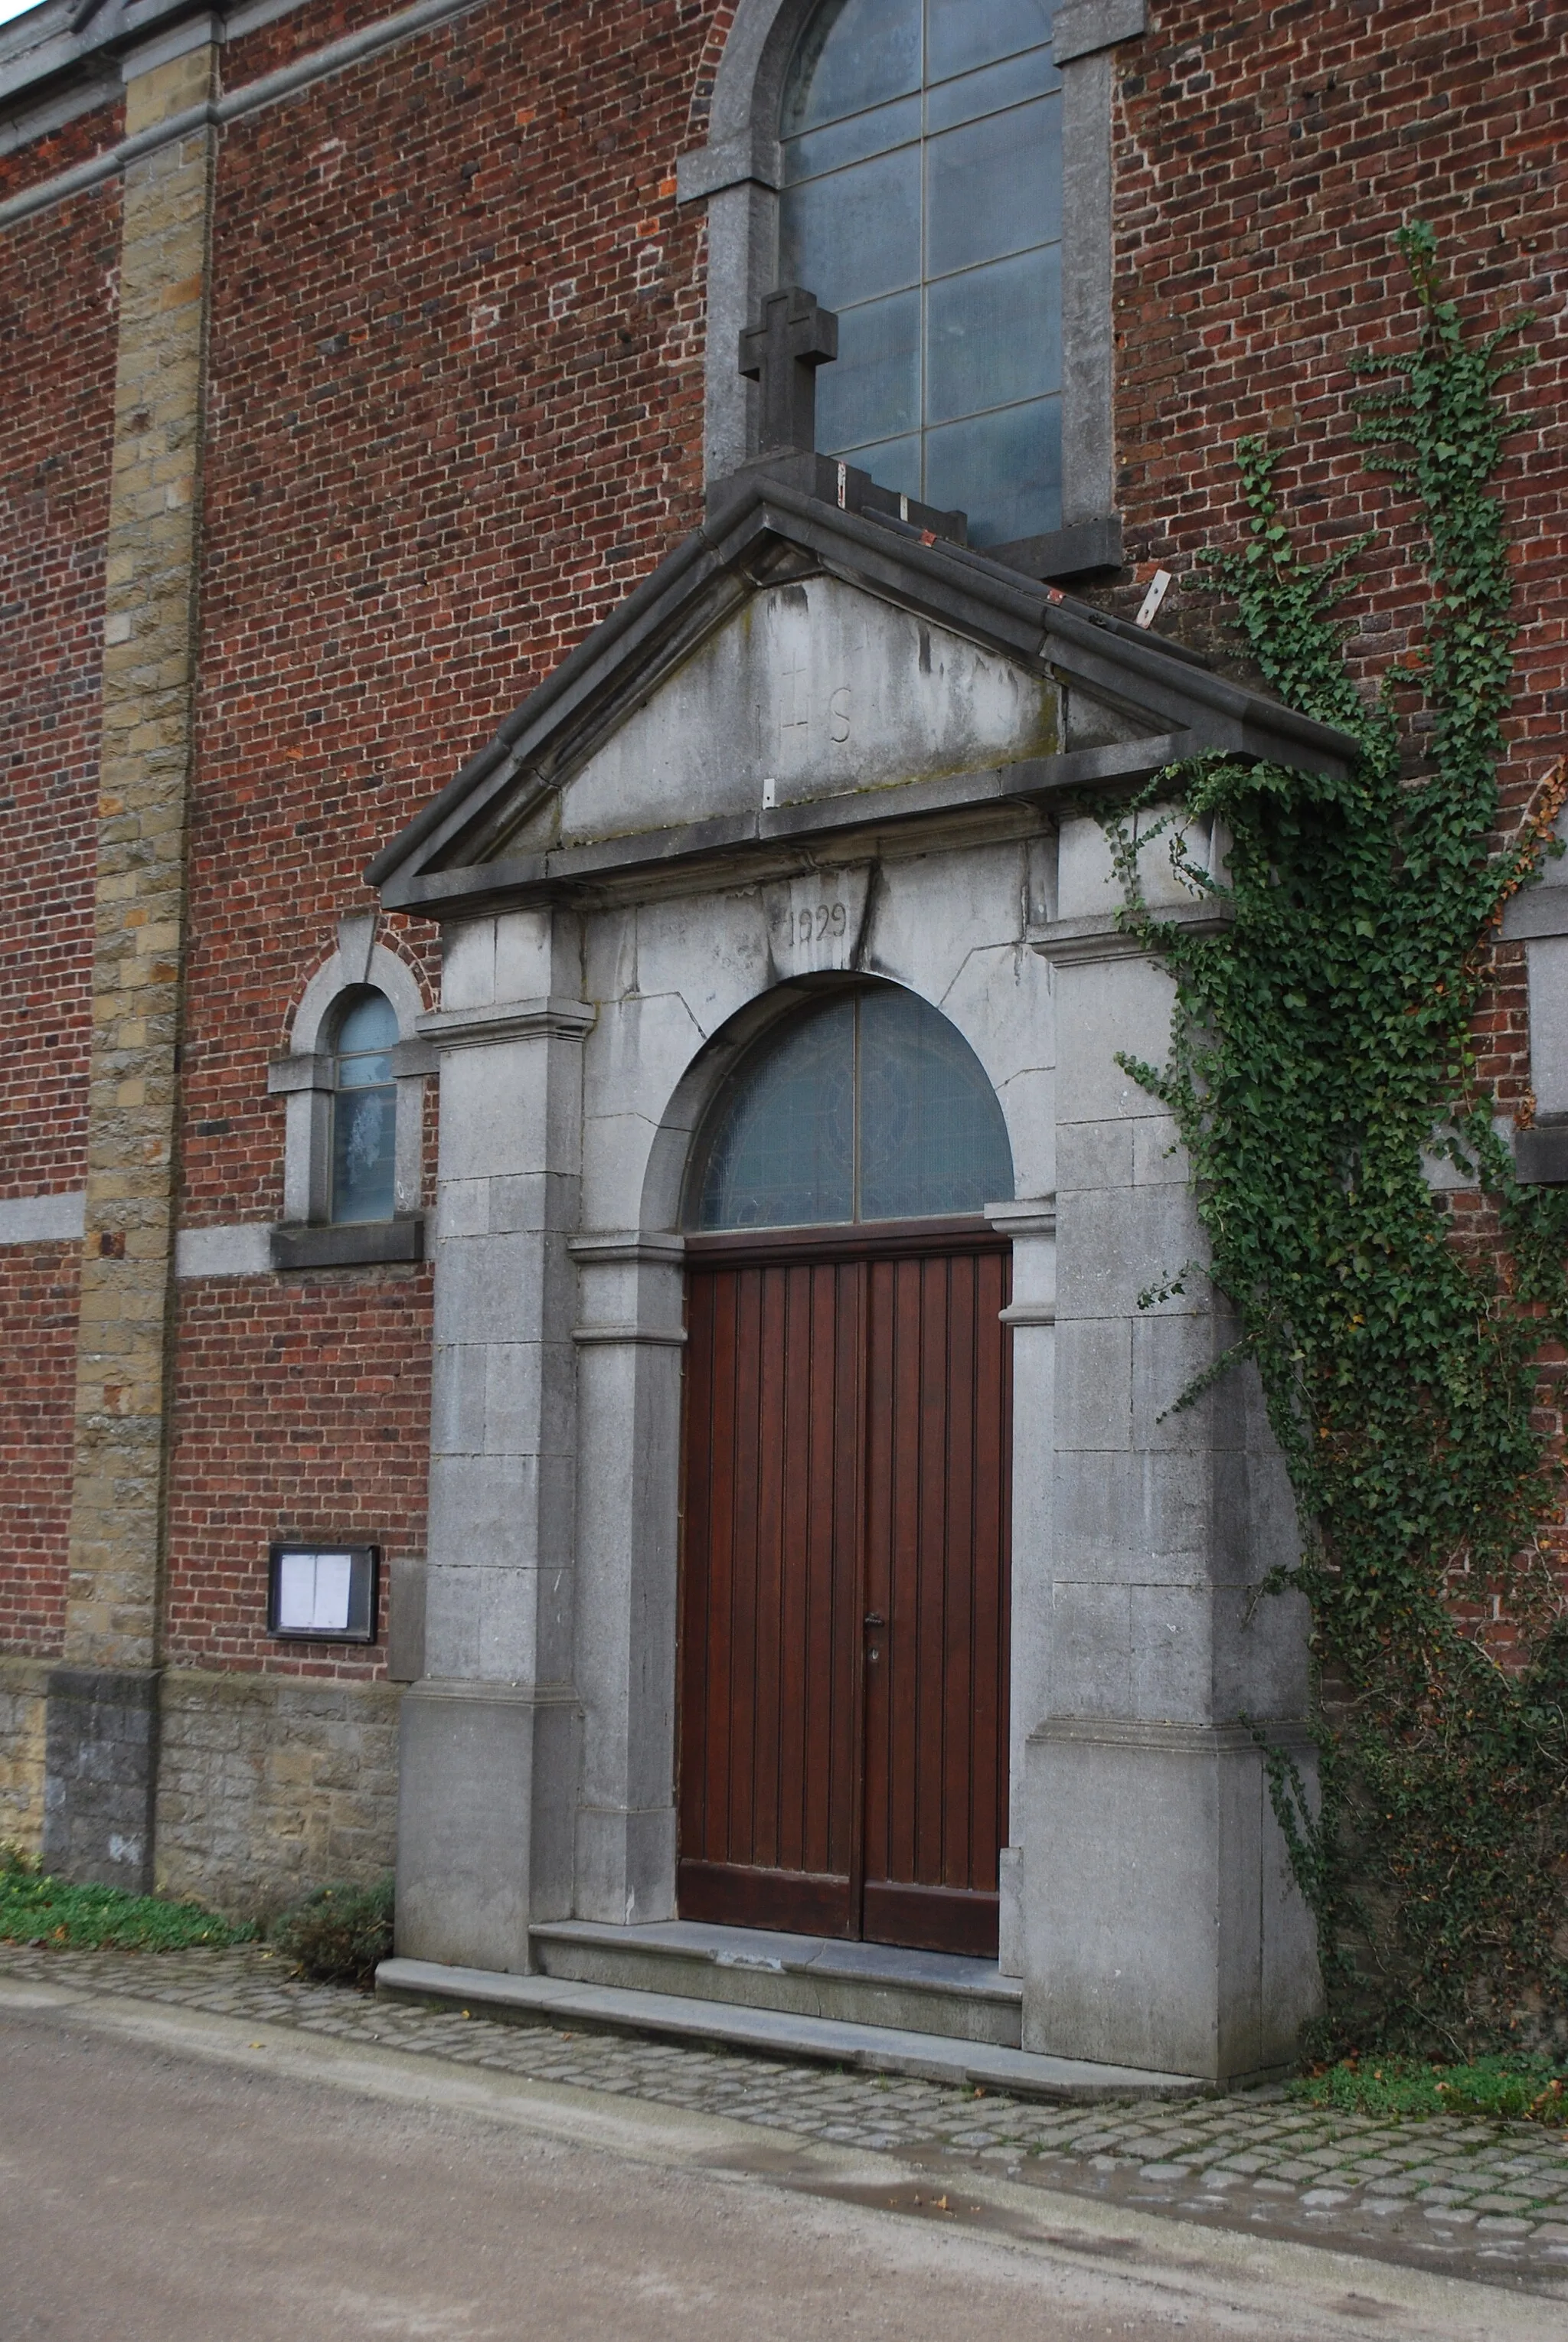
[810, 690]
[794, 668]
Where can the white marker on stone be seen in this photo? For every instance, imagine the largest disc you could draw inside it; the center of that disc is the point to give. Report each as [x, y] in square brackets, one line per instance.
[1159, 588]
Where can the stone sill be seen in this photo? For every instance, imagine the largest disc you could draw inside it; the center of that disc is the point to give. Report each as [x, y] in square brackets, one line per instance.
[1540, 1154]
[365, 1244]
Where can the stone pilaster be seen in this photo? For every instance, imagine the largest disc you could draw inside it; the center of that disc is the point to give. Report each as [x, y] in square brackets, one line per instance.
[489, 1736]
[630, 1339]
[102, 1737]
[1161, 1926]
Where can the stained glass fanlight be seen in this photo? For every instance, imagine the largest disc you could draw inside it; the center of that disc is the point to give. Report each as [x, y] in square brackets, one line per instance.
[869, 1108]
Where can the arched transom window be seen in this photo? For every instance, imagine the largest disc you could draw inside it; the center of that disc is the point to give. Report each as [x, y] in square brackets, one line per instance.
[868, 1107]
[923, 202]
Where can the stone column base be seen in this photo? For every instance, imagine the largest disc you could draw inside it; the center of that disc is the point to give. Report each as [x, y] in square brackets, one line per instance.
[487, 1784]
[101, 1766]
[1162, 1925]
[626, 1865]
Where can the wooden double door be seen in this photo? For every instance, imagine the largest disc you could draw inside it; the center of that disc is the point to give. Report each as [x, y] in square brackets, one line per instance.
[845, 1595]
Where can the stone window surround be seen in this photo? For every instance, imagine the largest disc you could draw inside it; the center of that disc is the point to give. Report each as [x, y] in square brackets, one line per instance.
[306, 1238]
[307, 1079]
[1538, 918]
[738, 174]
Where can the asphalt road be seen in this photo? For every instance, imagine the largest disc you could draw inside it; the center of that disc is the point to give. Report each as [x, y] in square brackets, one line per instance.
[169, 2177]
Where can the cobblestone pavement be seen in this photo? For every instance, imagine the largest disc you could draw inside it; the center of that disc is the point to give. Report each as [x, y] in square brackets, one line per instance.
[1486, 2200]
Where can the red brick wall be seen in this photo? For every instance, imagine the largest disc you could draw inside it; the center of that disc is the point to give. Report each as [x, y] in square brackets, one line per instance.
[300, 34]
[1264, 158]
[456, 414]
[57, 325]
[301, 1409]
[431, 467]
[75, 142]
[37, 1400]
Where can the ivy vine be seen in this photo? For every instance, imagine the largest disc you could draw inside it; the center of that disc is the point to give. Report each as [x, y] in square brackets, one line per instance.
[1322, 1053]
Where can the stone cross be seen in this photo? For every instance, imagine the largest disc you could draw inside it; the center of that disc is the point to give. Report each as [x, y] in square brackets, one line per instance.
[782, 352]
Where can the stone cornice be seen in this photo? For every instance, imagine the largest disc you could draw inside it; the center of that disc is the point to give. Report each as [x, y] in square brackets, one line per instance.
[509, 1020]
[1537, 911]
[61, 76]
[629, 1247]
[1076, 943]
[1083, 27]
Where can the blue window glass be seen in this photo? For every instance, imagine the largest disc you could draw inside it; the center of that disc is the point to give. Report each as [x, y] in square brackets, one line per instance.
[923, 202]
[364, 1112]
[871, 1107]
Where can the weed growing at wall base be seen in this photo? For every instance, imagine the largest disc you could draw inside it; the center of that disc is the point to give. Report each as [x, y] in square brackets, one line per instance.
[1512, 2088]
[339, 1934]
[36, 1908]
[1321, 1046]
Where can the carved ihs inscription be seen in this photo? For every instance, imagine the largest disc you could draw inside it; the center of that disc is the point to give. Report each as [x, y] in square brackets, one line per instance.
[805, 713]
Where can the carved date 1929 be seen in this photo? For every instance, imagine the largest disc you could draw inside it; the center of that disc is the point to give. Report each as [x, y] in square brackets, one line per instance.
[813, 925]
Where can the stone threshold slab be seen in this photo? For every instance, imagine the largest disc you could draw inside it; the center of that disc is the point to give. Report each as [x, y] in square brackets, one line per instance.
[868, 2048]
[845, 1982]
[769, 1948]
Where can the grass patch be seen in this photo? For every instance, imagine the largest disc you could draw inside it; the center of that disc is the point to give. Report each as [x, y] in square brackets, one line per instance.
[338, 1935]
[1508, 2088]
[35, 1907]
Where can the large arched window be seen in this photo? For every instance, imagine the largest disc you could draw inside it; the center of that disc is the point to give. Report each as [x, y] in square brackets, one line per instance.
[870, 1107]
[923, 202]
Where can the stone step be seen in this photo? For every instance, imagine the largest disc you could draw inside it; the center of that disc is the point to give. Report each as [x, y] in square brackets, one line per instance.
[799, 1976]
[772, 2033]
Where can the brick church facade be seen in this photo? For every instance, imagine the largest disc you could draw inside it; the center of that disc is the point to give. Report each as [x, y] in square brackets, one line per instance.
[372, 416]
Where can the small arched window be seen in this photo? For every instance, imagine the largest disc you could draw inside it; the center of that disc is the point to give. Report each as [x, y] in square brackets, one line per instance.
[364, 1110]
[922, 145]
[868, 1107]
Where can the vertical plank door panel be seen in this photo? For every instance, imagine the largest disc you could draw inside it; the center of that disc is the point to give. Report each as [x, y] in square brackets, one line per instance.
[748, 1529]
[696, 1595]
[846, 1446]
[937, 1538]
[770, 1576]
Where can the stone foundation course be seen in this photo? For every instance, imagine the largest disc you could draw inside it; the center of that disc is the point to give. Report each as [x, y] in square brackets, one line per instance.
[270, 1785]
[24, 1685]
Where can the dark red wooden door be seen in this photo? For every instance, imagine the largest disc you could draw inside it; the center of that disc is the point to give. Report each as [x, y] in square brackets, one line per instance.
[843, 1676]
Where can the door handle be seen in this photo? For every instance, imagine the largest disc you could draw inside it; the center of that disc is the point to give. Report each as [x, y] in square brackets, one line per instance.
[874, 1618]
